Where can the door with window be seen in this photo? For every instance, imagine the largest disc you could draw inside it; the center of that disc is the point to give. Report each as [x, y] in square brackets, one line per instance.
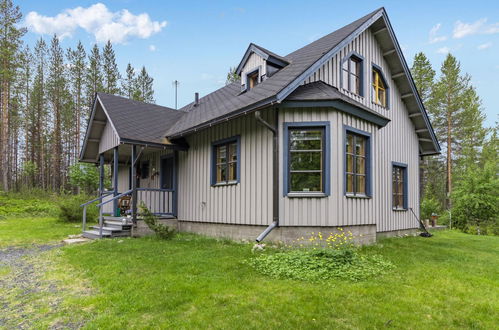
[167, 170]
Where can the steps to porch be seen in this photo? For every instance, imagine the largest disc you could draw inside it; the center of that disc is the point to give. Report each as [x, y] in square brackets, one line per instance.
[112, 227]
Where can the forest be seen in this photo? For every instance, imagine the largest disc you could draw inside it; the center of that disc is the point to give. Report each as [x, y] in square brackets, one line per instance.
[46, 94]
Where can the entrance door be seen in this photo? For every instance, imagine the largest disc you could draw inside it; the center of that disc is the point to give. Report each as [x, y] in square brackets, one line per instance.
[167, 170]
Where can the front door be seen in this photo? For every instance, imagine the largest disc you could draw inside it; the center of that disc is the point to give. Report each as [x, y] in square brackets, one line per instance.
[167, 170]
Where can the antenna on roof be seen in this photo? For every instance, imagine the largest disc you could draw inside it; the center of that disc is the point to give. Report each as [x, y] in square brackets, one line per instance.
[175, 84]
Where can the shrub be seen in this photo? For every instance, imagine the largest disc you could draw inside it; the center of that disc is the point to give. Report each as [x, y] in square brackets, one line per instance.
[161, 231]
[321, 258]
[29, 203]
[429, 205]
[70, 210]
[320, 264]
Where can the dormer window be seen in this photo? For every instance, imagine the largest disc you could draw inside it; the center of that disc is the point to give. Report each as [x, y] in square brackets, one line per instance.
[252, 79]
[352, 74]
[380, 87]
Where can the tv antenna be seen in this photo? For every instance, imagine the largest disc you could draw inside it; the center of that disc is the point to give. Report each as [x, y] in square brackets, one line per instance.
[175, 84]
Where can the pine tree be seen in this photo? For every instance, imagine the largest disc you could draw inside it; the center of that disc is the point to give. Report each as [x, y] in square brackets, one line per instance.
[10, 41]
[232, 76]
[38, 101]
[57, 96]
[94, 76]
[431, 167]
[110, 70]
[129, 84]
[77, 70]
[145, 92]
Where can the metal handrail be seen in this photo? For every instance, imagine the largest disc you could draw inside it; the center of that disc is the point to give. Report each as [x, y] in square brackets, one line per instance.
[155, 189]
[96, 199]
[84, 205]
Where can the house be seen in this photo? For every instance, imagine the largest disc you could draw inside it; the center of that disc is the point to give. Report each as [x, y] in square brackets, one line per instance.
[325, 137]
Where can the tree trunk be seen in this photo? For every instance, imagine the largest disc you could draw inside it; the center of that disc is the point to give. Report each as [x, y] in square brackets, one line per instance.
[5, 135]
[449, 157]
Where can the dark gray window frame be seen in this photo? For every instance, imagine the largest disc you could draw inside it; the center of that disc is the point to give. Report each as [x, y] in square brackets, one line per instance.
[368, 161]
[360, 58]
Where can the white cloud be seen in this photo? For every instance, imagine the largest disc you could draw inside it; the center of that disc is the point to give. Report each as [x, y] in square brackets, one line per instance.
[433, 38]
[98, 20]
[152, 48]
[443, 50]
[484, 46]
[479, 27]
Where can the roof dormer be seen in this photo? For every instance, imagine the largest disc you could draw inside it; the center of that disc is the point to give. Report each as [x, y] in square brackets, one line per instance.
[257, 65]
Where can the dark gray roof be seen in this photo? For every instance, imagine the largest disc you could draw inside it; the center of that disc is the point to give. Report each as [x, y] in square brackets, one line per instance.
[138, 121]
[320, 91]
[229, 100]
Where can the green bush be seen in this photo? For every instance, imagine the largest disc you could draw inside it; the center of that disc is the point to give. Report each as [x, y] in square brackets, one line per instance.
[32, 203]
[320, 264]
[70, 210]
[429, 205]
[161, 231]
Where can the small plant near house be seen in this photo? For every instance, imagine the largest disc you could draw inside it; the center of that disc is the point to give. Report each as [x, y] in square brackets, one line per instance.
[161, 231]
[321, 258]
[71, 211]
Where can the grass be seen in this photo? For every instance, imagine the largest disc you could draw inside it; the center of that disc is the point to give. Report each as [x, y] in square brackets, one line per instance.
[24, 231]
[447, 281]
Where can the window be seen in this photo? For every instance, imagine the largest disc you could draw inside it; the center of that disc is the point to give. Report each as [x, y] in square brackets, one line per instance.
[380, 89]
[144, 170]
[253, 79]
[307, 158]
[352, 74]
[225, 166]
[399, 186]
[357, 163]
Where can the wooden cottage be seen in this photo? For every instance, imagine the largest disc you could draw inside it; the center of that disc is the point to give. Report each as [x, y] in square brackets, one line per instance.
[327, 136]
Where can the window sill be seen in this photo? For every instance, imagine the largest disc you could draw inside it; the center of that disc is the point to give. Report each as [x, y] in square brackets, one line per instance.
[379, 105]
[223, 184]
[396, 209]
[357, 196]
[306, 195]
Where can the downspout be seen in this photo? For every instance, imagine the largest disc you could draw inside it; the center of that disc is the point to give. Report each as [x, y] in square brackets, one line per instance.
[275, 172]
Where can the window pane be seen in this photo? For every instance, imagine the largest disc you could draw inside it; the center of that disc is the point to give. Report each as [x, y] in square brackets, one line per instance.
[221, 154]
[382, 97]
[345, 65]
[361, 184]
[306, 182]
[350, 183]
[221, 173]
[353, 66]
[344, 78]
[350, 163]
[353, 84]
[305, 161]
[360, 146]
[350, 143]
[361, 165]
[232, 172]
[306, 140]
[233, 152]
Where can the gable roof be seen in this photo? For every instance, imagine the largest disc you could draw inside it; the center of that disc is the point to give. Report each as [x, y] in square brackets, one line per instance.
[263, 53]
[271, 90]
[138, 121]
[229, 102]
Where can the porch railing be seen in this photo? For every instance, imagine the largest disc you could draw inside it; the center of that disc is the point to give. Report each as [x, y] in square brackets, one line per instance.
[158, 201]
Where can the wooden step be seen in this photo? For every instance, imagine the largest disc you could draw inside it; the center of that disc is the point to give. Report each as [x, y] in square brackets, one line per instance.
[108, 229]
[108, 217]
[117, 225]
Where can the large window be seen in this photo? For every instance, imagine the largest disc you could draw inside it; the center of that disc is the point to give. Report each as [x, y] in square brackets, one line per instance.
[225, 166]
[351, 72]
[399, 186]
[357, 163]
[380, 89]
[307, 158]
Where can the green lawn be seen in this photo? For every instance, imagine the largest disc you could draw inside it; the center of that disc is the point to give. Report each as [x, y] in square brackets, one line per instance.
[448, 281]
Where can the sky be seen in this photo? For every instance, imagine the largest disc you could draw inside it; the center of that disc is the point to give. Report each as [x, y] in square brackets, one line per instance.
[195, 42]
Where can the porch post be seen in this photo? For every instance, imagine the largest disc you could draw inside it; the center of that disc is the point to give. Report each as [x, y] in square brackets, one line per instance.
[101, 174]
[134, 184]
[115, 180]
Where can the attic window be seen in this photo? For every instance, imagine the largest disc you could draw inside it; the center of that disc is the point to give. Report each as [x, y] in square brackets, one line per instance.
[380, 87]
[351, 78]
[253, 79]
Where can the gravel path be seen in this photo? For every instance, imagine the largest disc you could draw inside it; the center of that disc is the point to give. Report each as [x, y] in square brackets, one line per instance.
[24, 290]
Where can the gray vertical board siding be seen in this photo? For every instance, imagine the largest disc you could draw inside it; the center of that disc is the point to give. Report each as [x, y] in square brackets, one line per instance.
[254, 62]
[109, 139]
[249, 201]
[396, 142]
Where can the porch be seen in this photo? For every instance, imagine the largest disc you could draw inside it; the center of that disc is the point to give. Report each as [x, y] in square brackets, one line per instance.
[140, 175]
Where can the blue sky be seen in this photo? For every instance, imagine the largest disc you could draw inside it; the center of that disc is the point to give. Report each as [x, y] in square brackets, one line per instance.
[196, 42]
